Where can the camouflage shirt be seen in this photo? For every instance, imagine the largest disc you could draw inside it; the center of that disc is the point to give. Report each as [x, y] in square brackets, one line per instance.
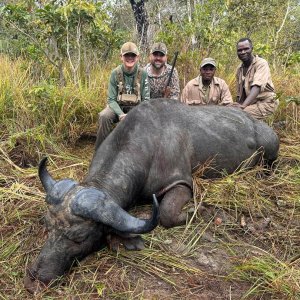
[157, 84]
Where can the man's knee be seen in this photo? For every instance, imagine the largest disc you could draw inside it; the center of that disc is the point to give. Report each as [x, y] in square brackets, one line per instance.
[262, 110]
[107, 116]
[254, 111]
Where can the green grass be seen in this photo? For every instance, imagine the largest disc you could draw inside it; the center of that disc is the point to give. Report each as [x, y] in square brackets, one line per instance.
[270, 275]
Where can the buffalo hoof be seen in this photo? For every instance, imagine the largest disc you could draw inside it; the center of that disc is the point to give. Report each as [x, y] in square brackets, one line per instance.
[115, 242]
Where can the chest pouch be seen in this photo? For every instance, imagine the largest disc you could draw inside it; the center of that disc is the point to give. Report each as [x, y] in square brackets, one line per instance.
[128, 99]
[125, 99]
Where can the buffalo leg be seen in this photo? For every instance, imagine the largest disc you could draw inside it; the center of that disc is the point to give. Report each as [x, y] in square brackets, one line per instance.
[171, 213]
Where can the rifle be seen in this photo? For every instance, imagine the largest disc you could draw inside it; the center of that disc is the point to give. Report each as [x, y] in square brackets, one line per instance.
[166, 92]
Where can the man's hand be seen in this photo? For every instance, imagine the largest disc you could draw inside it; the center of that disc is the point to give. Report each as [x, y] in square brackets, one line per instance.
[122, 117]
[167, 92]
[235, 104]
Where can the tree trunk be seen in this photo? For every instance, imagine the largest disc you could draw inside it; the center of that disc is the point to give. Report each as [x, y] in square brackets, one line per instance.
[142, 22]
[62, 79]
[190, 12]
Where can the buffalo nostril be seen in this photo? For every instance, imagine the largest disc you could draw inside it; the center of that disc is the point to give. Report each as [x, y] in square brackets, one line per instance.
[34, 286]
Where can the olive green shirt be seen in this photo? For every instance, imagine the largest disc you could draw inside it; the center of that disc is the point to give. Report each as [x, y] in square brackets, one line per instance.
[113, 90]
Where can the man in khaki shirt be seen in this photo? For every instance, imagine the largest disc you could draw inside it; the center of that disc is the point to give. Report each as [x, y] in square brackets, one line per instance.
[206, 88]
[255, 90]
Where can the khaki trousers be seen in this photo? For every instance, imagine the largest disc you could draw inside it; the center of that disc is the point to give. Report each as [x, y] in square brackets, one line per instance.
[106, 121]
[262, 109]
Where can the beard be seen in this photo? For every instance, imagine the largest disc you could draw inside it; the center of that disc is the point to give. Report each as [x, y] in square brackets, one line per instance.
[158, 65]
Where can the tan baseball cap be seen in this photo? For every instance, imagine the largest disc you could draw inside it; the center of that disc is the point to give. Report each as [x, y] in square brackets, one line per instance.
[208, 61]
[129, 47]
[159, 47]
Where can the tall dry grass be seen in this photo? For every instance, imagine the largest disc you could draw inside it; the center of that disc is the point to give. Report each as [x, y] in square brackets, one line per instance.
[39, 112]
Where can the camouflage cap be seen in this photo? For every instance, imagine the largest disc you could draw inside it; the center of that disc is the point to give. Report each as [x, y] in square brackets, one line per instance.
[129, 47]
[208, 61]
[159, 47]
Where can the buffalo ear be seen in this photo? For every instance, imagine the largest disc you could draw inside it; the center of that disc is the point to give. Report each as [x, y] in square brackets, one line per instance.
[59, 190]
[93, 204]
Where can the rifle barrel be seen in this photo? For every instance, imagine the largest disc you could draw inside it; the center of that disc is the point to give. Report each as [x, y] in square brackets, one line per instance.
[172, 69]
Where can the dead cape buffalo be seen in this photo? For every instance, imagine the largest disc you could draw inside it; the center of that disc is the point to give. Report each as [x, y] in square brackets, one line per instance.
[154, 150]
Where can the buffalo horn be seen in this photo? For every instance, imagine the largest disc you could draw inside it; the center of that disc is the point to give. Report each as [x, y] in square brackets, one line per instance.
[45, 177]
[92, 204]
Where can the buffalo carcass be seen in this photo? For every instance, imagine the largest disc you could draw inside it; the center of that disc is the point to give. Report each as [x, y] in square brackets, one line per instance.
[154, 150]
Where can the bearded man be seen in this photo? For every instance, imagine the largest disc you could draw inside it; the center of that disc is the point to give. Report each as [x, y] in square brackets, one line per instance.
[158, 71]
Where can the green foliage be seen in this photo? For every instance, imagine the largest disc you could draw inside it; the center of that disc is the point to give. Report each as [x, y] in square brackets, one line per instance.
[66, 34]
[294, 58]
[215, 26]
[295, 100]
[263, 50]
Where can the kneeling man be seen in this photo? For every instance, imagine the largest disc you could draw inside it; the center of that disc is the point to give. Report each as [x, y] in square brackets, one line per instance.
[255, 89]
[206, 88]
